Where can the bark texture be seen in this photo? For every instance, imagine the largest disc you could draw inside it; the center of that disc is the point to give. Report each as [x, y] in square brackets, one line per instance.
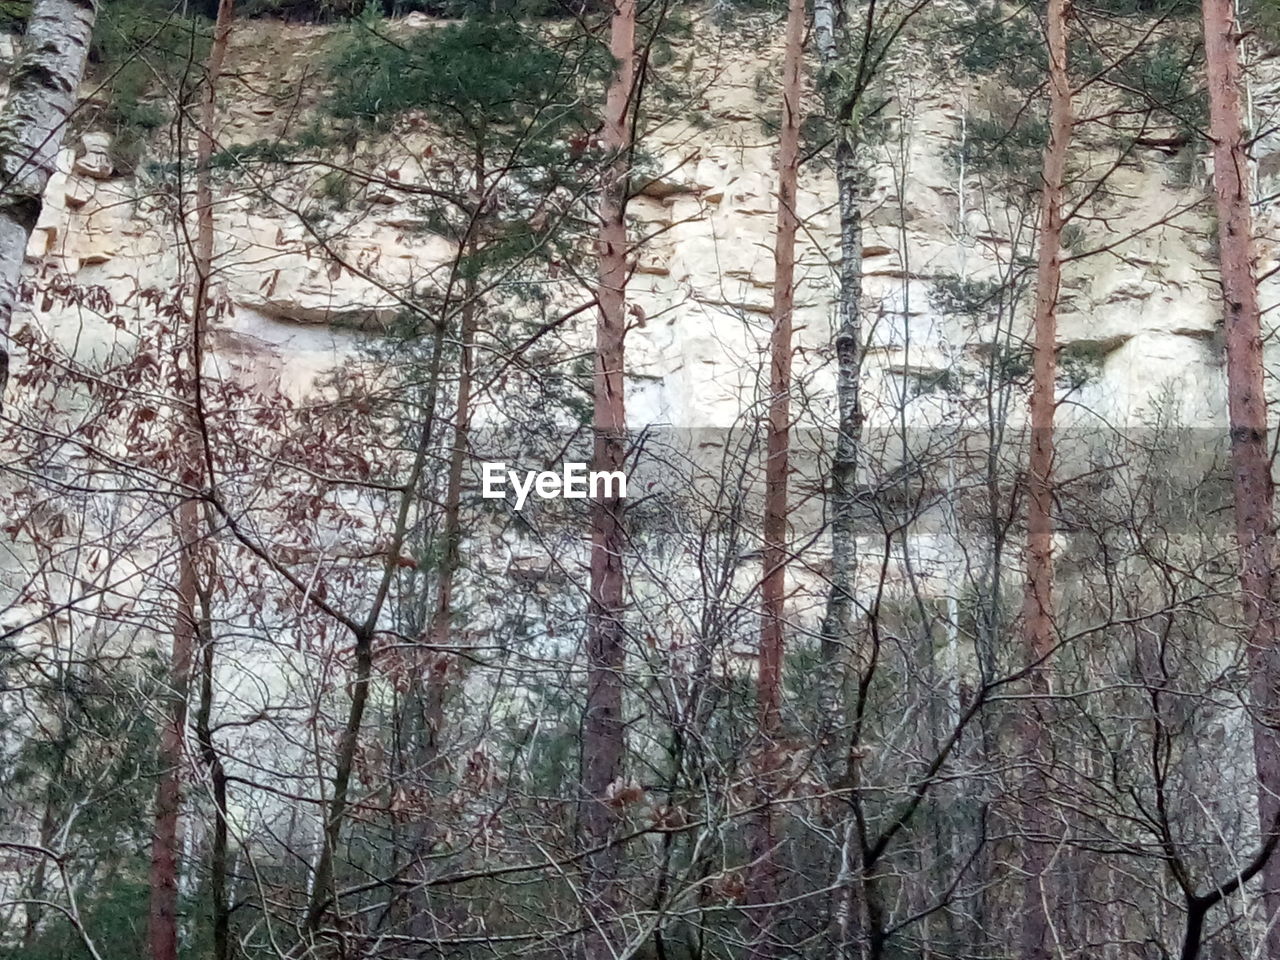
[1038, 610]
[848, 344]
[854, 887]
[602, 745]
[1252, 484]
[837, 620]
[42, 94]
[219, 908]
[162, 935]
[437, 658]
[762, 891]
[218, 865]
[165, 842]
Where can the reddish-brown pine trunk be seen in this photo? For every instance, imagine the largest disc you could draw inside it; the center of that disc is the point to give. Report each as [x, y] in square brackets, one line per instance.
[437, 662]
[602, 727]
[1038, 611]
[1247, 414]
[451, 532]
[163, 925]
[163, 915]
[763, 885]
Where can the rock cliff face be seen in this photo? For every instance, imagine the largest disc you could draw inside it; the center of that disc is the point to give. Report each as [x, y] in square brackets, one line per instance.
[315, 263]
[1144, 311]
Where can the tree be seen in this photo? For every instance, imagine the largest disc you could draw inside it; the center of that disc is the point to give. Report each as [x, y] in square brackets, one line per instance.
[763, 890]
[1252, 485]
[396, 701]
[602, 736]
[42, 94]
[498, 130]
[848, 338]
[1038, 612]
[188, 634]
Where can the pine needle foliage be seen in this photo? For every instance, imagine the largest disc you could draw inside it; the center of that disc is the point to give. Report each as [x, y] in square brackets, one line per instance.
[142, 51]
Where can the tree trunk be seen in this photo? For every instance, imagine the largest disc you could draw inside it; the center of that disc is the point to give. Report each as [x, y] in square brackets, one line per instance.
[848, 344]
[49, 822]
[322, 881]
[220, 907]
[163, 917]
[322, 884]
[837, 618]
[1247, 414]
[1038, 611]
[451, 532]
[163, 921]
[436, 677]
[42, 94]
[848, 922]
[602, 744]
[204, 266]
[762, 892]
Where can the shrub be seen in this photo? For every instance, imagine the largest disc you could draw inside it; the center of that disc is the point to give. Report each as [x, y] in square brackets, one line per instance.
[486, 72]
[142, 50]
[1169, 78]
[1011, 147]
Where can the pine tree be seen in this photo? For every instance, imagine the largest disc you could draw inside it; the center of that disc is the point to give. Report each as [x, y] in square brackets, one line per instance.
[763, 889]
[1252, 485]
[602, 736]
[1038, 629]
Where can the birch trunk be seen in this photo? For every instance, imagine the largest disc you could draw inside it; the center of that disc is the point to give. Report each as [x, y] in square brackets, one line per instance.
[848, 344]
[848, 921]
[42, 94]
[1252, 483]
[762, 891]
[1038, 609]
[602, 734]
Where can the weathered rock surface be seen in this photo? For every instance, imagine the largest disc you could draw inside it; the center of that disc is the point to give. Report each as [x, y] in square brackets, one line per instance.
[1147, 306]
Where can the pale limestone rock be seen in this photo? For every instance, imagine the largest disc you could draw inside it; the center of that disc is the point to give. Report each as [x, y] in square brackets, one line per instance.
[77, 193]
[660, 188]
[1154, 369]
[655, 259]
[699, 363]
[41, 242]
[95, 162]
[705, 279]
